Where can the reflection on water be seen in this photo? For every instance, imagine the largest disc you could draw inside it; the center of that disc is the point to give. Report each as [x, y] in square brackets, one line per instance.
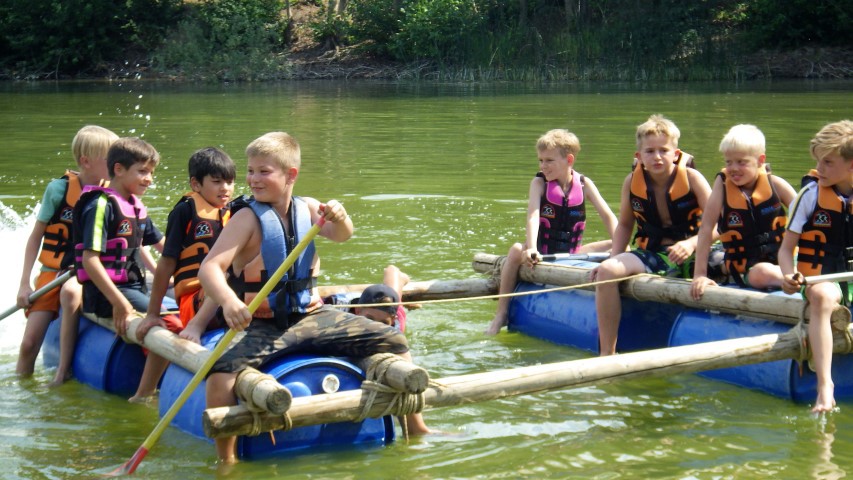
[430, 175]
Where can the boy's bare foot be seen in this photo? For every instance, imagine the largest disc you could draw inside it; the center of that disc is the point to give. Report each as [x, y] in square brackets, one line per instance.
[825, 399]
[497, 324]
[59, 379]
[191, 333]
[144, 399]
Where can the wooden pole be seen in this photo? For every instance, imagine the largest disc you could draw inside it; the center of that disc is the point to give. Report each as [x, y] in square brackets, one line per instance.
[668, 290]
[395, 372]
[430, 290]
[480, 387]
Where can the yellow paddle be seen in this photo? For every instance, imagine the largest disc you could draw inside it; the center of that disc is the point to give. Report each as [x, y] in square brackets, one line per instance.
[130, 466]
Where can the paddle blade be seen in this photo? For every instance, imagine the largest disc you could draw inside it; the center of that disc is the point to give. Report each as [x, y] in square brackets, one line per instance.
[130, 466]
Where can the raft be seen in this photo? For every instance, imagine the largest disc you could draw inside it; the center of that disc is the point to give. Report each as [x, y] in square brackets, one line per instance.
[568, 317]
[106, 362]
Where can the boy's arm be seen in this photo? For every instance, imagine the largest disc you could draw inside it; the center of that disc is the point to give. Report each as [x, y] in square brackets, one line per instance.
[162, 275]
[625, 225]
[786, 262]
[198, 324]
[784, 189]
[232, 241]
[148, 259]
[603, 209]
[338, 227]
[122, 309]
[706, 232]
[30, 253]
[531, 228]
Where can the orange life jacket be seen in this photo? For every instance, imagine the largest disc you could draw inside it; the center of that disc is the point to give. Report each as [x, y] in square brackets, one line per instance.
[199, 236]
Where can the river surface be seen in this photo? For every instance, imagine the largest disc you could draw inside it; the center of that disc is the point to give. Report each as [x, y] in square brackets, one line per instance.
[431, 174]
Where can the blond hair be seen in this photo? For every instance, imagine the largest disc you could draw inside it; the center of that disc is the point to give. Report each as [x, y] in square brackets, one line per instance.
[744, 138]
[566, 141]
[833, 138]
[279, 146]
[93, 142]
[658, 125]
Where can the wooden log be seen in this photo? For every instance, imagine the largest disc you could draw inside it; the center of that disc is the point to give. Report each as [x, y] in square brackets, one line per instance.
[480, 387]
[395, 372]
[669, 290]
[430, 290]
[261, 391]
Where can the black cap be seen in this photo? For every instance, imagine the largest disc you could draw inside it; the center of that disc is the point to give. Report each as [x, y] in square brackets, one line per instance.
[380, 293]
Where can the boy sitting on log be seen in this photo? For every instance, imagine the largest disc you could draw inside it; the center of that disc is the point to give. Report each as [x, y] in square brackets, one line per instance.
[665, 199]
[556, 214]
[256, 240]
[749, 206]
[821, 225]
[194, 225]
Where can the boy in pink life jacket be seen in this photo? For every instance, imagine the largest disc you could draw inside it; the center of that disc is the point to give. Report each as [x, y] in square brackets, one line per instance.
[556, 214]
[111, 228]
[53, 236]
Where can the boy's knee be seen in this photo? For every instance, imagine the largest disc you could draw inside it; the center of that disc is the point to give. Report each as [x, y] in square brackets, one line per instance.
[514, 253]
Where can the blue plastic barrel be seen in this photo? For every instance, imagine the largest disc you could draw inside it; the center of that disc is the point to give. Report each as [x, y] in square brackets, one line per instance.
[101, 359]
[782, 378]
[568, 317]
[303, 375]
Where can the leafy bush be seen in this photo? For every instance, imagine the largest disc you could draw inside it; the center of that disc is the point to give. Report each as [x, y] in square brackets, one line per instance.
[437, 29]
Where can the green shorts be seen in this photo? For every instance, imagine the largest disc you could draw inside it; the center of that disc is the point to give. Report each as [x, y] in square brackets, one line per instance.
[325, 331]
[849, 299]
[658, 263]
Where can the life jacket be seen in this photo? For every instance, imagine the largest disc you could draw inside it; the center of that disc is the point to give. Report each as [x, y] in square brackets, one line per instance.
[684, 211]
[292, 294]
[125, 231]
[751, 228]
[57, 240]
[562, 217]
[199, 236]
[826, 243]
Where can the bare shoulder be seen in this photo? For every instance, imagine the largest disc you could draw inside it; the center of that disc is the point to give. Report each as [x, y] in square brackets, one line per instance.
[695, 176]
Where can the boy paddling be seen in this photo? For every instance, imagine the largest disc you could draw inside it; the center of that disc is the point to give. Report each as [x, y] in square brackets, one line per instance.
[256, 241]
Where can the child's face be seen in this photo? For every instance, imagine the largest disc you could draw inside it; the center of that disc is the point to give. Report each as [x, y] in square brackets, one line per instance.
[267, 180]
[134, 180]
[742, 167]
[553, 164]
[833, 169]
[657, 154]
[214, 190]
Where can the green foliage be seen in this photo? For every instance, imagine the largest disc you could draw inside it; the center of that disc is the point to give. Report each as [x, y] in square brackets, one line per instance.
[72, 36]
[438, 29]
[376, 22]
[226, 39]
[796, 23]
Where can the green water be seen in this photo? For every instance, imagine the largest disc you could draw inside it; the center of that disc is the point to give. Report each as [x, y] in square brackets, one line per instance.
[431, 175]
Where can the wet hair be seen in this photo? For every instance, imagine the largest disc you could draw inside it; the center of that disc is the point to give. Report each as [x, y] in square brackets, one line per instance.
[279, 146]
[213, 162]
[564, 140]
[744, 138]
[93, 142]
[658, 125]
[128, 151]
[833, 138]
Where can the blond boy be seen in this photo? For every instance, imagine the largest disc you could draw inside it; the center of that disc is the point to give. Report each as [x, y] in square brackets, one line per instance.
[820, 223]
[52, 235]
[556, 214]
[289, 320]
[665, 199]
[749, 205]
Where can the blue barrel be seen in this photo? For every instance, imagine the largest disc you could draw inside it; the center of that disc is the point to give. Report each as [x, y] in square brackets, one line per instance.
[568, 317]
[101, 359]
[303, 375]
[782, 378]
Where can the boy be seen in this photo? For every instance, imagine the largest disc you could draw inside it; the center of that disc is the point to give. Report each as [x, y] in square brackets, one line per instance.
[111, 226]
[749, 205]
[666, 199]
[52, 231]
[556, 214]
[255, 241]
[194, 224]
[821, 225]
[390, 291]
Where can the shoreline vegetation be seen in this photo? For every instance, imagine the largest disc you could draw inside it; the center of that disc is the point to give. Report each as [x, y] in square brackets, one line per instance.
[424, 40]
